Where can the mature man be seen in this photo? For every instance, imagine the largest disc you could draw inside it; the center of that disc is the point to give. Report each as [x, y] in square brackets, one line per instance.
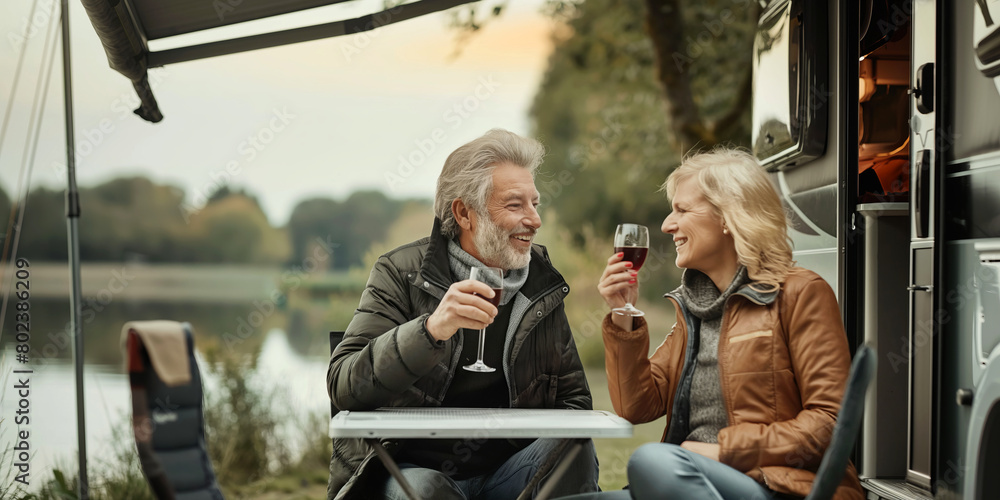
[418, 323]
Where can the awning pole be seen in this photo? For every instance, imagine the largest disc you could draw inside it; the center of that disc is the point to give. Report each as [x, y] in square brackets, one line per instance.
[72, 221]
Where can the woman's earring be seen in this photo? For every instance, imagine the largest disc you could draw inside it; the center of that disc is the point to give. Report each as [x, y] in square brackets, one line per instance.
[725, 230]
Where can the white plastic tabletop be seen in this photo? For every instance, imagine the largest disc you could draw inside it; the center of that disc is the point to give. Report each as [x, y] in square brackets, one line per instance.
[480, 423]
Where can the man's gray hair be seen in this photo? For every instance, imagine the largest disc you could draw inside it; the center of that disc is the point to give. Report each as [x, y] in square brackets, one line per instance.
[468, 172]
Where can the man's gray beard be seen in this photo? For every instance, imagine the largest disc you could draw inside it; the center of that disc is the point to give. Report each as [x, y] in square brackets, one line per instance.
[494, 248]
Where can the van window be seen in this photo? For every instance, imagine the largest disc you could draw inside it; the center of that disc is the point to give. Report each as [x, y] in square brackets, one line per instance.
[789, 97]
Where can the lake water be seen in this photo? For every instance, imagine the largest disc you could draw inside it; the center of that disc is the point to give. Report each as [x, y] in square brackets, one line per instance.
[289, 352]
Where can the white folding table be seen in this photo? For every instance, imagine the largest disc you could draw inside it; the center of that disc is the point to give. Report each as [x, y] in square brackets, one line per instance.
[574, 427]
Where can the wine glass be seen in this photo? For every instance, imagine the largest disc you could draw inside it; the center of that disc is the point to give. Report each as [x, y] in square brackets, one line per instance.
[493, 277]
[633, 241]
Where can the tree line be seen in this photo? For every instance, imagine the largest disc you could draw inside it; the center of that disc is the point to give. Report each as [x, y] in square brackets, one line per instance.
[136, 219]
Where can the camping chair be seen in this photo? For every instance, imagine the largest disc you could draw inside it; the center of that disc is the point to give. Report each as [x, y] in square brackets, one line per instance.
[852, 409]
[167, 415]
[845, 432]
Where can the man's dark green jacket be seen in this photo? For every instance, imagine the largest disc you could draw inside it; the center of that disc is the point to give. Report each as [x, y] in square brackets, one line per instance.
[388, 358]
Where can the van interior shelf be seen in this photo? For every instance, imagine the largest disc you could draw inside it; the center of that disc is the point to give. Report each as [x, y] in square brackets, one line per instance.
[884, 209]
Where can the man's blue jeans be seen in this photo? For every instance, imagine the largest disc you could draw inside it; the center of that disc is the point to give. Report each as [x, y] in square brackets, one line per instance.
[506, 482]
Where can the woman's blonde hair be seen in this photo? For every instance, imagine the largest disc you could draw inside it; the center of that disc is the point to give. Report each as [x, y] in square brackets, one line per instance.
[736, 185]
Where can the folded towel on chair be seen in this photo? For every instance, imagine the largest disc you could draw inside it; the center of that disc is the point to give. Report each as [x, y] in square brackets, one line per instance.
[167, 347]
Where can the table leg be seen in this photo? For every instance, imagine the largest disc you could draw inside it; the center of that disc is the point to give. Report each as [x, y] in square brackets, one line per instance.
[560, 458]
[390, 464]
[564, 465]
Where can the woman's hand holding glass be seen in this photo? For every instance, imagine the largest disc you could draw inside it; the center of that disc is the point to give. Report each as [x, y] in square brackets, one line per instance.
[632, 242]
[619, 285]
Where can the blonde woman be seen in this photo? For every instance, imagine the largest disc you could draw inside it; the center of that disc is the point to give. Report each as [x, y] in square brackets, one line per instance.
[751, 375]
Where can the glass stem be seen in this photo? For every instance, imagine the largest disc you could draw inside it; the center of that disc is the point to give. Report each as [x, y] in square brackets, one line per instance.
[482, 340]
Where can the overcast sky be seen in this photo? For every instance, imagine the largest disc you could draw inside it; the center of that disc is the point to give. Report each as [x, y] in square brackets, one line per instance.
[321, 118]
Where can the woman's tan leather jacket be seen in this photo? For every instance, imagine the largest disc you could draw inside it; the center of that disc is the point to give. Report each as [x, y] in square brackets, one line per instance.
[783, 365]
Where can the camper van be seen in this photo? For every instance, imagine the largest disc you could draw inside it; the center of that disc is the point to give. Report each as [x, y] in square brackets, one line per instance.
[879, 121]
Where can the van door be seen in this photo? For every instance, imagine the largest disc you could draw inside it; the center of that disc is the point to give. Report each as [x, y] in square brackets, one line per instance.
[924, 172]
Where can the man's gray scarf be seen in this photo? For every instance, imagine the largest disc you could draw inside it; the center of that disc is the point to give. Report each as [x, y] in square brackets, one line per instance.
[461, 264]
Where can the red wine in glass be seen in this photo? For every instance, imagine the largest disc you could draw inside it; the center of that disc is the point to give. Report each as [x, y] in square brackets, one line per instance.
[496, 297]
[635, 255]
[493, 278]
[633, 241]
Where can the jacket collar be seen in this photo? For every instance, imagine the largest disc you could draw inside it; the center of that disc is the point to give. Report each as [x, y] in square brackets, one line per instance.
[541, 275]
[755, 296]
[762, 298]
[435, 265]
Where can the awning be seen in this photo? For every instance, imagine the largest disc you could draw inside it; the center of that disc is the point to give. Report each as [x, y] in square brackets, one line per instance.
[126, 26]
